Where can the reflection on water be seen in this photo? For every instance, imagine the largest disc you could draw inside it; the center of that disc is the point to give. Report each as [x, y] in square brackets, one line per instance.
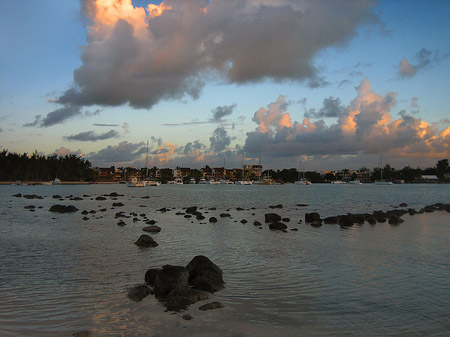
[61, 274]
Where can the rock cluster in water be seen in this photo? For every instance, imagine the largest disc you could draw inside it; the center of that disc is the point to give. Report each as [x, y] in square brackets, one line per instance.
[178, 287]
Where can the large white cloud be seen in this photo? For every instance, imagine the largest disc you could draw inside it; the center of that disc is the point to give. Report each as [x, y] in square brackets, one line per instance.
[140, 56]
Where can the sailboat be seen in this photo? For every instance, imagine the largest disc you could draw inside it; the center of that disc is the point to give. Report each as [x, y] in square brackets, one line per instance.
[303, 180]
[381, 181]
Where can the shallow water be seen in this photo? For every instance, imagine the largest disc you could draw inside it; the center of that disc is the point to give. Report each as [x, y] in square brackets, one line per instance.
[61, 274]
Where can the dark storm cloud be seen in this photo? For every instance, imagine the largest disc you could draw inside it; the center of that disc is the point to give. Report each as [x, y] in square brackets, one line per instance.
[332, 107]
[219, 140]
[91, 136]
[222, 111]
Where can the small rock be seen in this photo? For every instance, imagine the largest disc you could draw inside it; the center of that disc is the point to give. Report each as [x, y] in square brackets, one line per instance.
[272, 217]
[277, 226]
[243, 221]
[187, 317]
[276, 206]
[212, 219]
[138, 293]
[150, 276]
[152, 229]
[225, 215]
[316, 223]
[118, 204]
[257, 223]
[310, 217]
[146, 241]
[100, 198]
[63, 209]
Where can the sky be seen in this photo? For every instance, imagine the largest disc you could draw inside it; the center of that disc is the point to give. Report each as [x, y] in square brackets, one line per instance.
[312, 84]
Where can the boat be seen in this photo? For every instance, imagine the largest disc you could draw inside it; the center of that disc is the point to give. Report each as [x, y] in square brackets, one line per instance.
[265, 181]
[178, 181]
[202, 181]
[152, 183]
[135, 182]
[303, 180]
[355, 182]
[244, 182]
[338, 182]
[213, 182]
[192, 181]
[56, 181]
[225, 182]
[381, 181]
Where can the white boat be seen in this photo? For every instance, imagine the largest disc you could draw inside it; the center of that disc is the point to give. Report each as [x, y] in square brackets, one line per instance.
[152, 183]
[213, 182]
[225, 182]
[243, 182]
[339, 182]
[355, 182]
[303, 180]
[135, 182]
[192, 181]
[202, 181]
[56, 181]
[178, 181]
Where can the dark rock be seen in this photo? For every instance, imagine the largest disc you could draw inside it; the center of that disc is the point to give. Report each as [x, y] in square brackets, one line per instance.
[412, 211]
[243, 221]
[18, 195]
[145, 241]
[429, 209]
[63, 209]
[345, 221]
[77, 198]
[30, 207]
[150, 276]
[272, 217]
[163, 210]
[200, 217]
[102, 210]
[403, 204]
[302, 205]
[212, 209]
[100, 198]
[447, 208]
[225, 215]
[331, 220]
[371, 220]
[395, 220]
[180, 213]
[187, 317]
[316, 223]
[204, 274]
[32, 196]
[85, 212]
[85, 218]
[92, 212]
[277, 226]
[212, 219]
[240, 209]
[191, 210]
[136, 220]
[118, 204]
[187, 216]
[211, 306]
[151, 222]
[57, 196]
[114, 194]
[179, 298]
[257, 223]
[294, 229]
[170, 278]
[276, 206]
[152, 229]
[138, 293]
[310, 217]
[145, 197]
[286, 220]
[121, 223]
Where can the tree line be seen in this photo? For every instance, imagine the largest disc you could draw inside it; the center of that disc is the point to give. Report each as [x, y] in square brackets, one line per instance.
[37, 167]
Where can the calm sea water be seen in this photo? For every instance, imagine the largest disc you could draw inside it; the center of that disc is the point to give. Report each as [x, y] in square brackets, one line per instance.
[60, 274]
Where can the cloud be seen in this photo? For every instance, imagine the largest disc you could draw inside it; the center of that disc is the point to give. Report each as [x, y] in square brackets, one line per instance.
[91, 136]
[365, 127]
[62, 151]
[57, 116]
[332, 107]
[35, 123]
[139, 56]
[219, 140]
[408, 70]
[123, 154]
[107, 125]
[222, 111]
[126, 128]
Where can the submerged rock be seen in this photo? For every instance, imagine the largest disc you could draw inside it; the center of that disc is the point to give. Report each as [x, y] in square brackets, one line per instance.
[310, 217]
[212, 219]
[276, 206]
[277, 226]
[138, 293]
[211, 306]
[150, 276]
[152, 229]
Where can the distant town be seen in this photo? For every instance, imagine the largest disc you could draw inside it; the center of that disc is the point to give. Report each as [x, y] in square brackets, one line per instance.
[71, 168]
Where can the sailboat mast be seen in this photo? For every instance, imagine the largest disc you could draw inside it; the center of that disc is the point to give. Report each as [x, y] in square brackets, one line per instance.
[146, 162]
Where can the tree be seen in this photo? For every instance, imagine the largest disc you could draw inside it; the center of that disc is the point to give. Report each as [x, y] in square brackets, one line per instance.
[442, 168]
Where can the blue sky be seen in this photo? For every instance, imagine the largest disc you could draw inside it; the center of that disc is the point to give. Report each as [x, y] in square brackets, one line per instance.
[333, 84]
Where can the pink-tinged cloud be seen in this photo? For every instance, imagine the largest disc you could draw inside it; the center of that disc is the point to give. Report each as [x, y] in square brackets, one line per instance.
[366, 127]
[139, 56]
